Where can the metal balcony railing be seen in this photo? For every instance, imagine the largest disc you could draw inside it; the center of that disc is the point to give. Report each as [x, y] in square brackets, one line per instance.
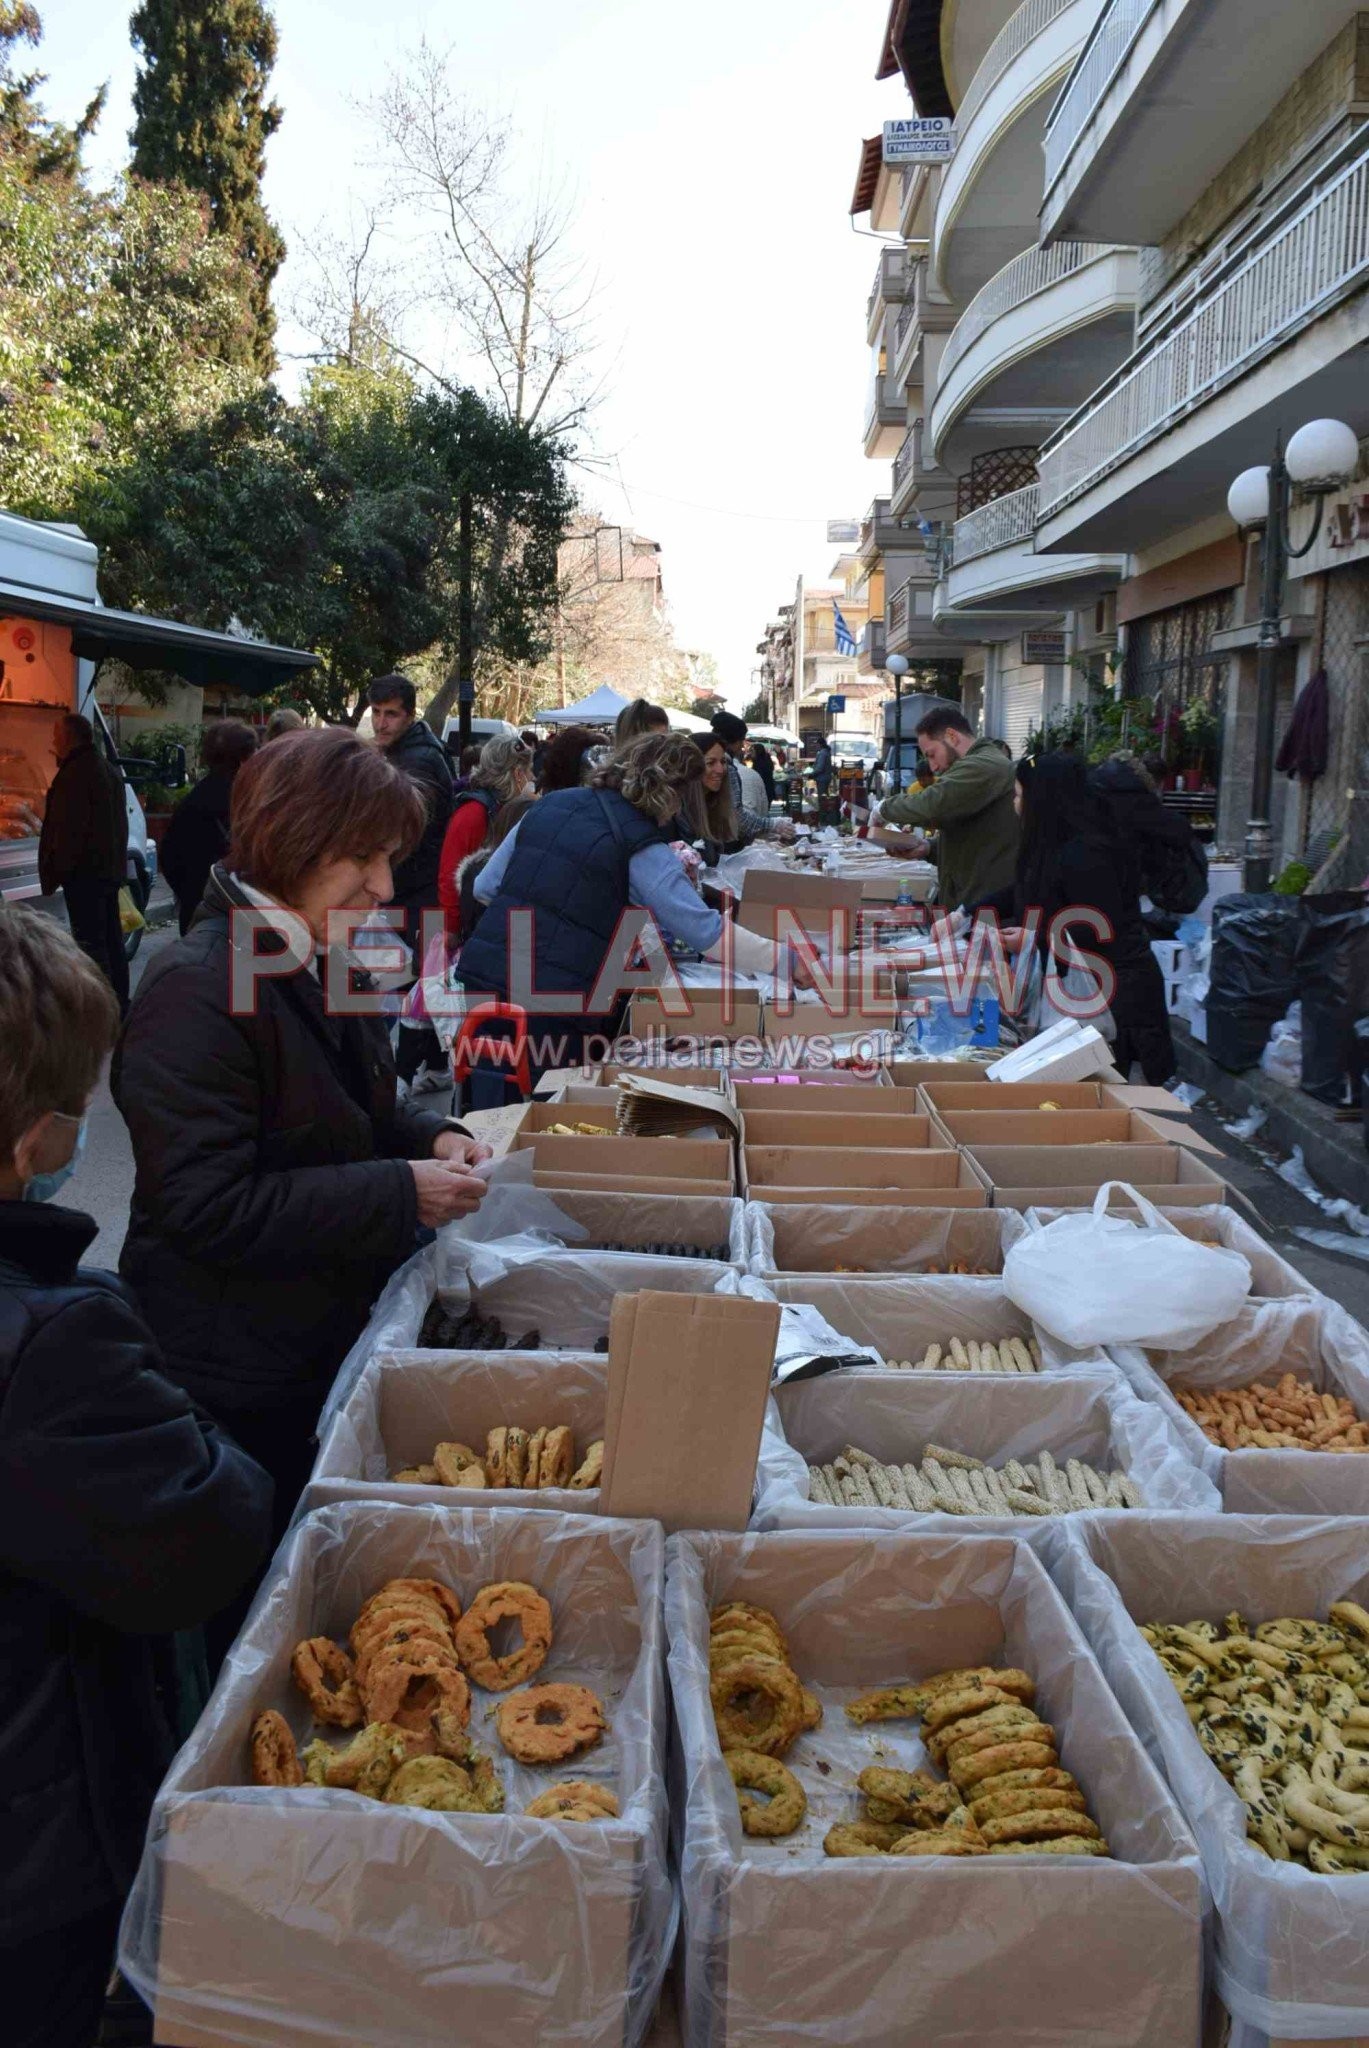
[896, 617]
[1318, 255]
[1097, 64]
[907, 455]
[1017, 32]
[1034, 271]
[1003, 522]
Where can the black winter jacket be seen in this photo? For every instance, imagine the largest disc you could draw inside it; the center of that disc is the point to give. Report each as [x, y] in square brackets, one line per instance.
[271, 1200]
[124, 1515]
[425, 761]
[196, 837]
[85, 823]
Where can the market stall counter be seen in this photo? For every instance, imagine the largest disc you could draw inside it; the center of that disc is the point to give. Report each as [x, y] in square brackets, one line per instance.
[269, 1914]
[838, 1928]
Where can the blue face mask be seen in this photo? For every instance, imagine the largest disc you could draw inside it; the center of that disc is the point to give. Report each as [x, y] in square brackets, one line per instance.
[44, 1186]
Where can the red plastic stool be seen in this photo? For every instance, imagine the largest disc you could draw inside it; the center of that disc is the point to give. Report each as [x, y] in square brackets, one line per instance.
[468, 1046]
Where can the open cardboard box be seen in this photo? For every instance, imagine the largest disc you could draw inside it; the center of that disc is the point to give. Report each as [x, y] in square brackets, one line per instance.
[267, 1918]
[677, 1075]
[896, 1415]
[940, 1171]
[704, 1222]
[836, 1237]
[784, 1944]
[556, 1181]
[918, 1073]
[711, 1014]
[1271, 1277]
[1042, 1176]
[946, 1096]
[405, 1405]
[700, 1158]
[841, 1092]
[898, 1316]
[1291, 1949]
[801, 894]
[1316, 1340]
[974, 1128]
[805, 1127]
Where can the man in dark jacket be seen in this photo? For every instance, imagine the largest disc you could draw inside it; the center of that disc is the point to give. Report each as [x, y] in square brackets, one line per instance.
[410, 743]
[124, 1515]
[83, 850]
[198, 834]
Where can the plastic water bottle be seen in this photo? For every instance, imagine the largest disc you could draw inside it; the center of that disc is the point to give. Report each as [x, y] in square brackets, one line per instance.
[905, 894]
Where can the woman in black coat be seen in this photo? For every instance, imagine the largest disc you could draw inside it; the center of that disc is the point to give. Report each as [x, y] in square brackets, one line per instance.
[278, 1185]
[1069, 858]
[198, 833]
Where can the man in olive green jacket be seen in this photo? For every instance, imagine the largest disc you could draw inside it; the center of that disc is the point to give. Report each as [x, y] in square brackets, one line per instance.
[969, 806]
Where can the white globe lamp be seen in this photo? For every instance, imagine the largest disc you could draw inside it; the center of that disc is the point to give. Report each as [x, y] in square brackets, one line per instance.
[1248, 499]
[897, 664]
[1322, 455]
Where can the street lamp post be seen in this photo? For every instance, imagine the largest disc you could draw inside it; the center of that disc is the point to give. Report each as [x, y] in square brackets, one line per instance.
[896, 665]
[1319, 458]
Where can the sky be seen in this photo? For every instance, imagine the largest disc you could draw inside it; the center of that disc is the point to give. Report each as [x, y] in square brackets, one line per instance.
[712, 150]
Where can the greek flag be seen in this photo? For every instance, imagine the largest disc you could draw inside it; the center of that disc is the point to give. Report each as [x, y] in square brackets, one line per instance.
[846, 639]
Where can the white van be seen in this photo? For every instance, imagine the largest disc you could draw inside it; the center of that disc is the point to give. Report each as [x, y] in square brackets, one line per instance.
[54, 634]
[482, 729]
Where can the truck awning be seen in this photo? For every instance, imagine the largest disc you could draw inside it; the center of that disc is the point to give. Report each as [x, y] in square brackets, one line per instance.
[99, 633]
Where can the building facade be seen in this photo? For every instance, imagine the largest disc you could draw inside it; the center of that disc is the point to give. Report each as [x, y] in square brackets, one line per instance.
[1146, 259]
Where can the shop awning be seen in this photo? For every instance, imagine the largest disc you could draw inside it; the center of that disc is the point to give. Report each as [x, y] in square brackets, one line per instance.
[99, 633]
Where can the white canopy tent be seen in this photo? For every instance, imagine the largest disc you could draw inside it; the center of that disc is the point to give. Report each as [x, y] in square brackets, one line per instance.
[685, 721]
[601, 707]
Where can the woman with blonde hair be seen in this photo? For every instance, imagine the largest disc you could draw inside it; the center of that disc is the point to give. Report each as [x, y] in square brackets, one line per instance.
[577, 861]
[503, 772]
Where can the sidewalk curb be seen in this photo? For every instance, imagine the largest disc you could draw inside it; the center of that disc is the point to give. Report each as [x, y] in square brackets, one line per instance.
[1336, 1155]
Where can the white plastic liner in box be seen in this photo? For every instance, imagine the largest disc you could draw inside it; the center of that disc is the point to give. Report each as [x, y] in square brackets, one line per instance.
[899, 1317]
[1292, 1946]
[566, 1296]
[1270, 1275]
[517, 1224]
[799, 1237]
[1315, 1339]
[895, 1415]
[271, 1917]
[784, 1944]
[407, 1402]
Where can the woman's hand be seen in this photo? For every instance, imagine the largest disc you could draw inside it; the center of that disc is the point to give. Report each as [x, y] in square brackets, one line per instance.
[450, 1145]
[1010, 938]
[445, 1190]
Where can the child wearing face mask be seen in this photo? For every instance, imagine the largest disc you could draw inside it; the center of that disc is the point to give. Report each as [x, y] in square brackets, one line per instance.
[124, 1515]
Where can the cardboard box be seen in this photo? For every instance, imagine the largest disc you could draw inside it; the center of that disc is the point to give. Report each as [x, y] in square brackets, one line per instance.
[969, 1193]
[680, 1075]
[557, 1181]
[975, 1128]
[835, 1236]
[917, 1073]
[701, 1222]
[836, 1100]
[277, 1918]
[710, 1016]
[611, 1159]
[688, 1382]
[834, 1166]
[785, 1944]
[403, 1406]
[946, 1096]
[803, 894]
[763, 1127]
[898, 1317]
[1036, 1176]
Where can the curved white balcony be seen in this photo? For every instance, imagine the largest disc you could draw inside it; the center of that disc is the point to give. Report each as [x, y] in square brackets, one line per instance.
[1032, 346]
[991, 189]
[1163, 94]
[995, 570]
[1277, 337]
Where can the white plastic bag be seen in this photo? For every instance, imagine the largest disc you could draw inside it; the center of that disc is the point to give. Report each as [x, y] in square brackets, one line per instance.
[1282, 1056]
[1093, 1278]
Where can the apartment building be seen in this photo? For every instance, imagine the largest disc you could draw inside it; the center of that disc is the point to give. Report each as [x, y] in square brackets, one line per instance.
[1146, 258]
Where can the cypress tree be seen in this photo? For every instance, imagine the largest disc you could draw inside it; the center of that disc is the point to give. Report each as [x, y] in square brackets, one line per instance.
[202, 118]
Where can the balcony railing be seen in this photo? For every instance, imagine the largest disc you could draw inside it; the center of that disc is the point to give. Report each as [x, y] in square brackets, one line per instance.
[1012, 39]
[872, 644]
[1319, 254]
[1035, 270]
[907, 455]
[1097, 64]
[1002, 523]
[891, 279]
[896, 619]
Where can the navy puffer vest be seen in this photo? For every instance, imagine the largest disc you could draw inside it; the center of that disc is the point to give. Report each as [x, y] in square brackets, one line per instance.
[570, 867]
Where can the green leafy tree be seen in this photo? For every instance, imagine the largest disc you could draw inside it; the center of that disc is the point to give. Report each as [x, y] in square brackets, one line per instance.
[202, 119]
[332, 525]
[118, 312]
[43, 148]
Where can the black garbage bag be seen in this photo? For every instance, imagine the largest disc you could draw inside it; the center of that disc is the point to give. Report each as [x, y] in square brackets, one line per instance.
[1253, 977]
[1332, 966]
[1362, 1071]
